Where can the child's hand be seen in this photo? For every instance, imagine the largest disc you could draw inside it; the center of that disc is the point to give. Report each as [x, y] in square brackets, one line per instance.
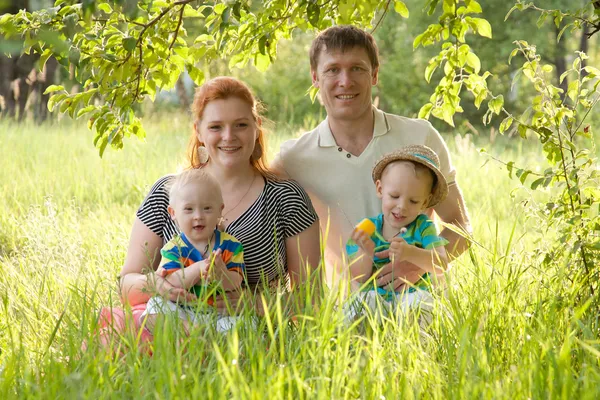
[400, 250]
[202, 267]
[363, 240]
[219, 269]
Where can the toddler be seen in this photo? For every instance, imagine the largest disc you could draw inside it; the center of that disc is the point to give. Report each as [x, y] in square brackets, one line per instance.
[408, 182]
[196, 203]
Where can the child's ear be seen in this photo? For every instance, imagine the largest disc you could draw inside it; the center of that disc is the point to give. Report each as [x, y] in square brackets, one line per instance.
[379, 188]
[171, 211]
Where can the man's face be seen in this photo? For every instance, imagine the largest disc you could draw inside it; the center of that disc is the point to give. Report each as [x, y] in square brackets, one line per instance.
[345, 80]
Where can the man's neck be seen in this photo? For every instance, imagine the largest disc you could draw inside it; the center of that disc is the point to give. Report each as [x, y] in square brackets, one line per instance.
[353, 135]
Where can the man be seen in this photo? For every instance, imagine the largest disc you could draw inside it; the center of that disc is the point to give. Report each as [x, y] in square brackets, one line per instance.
[334, 161]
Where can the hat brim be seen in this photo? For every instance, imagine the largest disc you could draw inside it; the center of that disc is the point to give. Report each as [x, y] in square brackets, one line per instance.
[440, 191]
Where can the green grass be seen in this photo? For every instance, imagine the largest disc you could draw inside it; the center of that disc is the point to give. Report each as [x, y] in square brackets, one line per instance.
[506, 329]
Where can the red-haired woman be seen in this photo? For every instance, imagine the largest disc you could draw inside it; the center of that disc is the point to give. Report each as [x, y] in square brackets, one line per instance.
[274, 219]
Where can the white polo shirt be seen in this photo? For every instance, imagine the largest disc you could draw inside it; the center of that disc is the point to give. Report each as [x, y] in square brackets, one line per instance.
[339, 183]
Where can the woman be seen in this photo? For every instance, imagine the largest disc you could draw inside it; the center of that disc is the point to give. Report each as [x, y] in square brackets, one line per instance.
[274, 219]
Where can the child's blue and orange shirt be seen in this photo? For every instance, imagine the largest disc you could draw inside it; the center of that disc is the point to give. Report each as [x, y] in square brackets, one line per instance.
[180, 253]
[421, 233]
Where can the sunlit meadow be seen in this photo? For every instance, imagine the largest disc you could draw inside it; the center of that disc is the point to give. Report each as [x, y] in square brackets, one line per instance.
[505, 328]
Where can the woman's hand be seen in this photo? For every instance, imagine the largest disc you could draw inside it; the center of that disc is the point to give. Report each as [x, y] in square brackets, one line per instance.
[231, 303]
[236, 300]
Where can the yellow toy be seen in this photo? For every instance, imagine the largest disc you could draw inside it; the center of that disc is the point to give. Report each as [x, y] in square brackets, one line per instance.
[367, 226]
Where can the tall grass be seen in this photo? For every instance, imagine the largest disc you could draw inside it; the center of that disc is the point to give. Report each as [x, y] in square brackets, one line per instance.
[505, 328]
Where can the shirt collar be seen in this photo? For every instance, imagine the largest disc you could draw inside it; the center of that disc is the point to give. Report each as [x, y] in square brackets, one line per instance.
[326, 139]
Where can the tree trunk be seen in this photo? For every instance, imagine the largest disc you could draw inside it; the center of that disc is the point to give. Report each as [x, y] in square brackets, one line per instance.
[184, 101]
[583, 45]
[560, 63]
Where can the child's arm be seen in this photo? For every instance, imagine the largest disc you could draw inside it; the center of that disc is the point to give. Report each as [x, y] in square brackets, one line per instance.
[432, 260]
[361, 266]
[187, 277]
[230, 278]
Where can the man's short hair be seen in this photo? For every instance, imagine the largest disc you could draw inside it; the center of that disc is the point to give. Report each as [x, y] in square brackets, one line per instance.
[343, 38]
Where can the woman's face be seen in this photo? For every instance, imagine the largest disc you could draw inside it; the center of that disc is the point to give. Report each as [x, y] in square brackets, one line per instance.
[229, 132]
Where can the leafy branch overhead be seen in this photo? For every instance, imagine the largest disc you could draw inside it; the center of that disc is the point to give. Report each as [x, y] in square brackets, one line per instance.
[123, 51]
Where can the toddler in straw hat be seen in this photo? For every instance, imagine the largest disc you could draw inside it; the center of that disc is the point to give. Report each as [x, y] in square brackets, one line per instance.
[408, 182]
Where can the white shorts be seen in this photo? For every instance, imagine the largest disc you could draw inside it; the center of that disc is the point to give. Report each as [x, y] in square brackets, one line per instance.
[418, 302]
[158, 305]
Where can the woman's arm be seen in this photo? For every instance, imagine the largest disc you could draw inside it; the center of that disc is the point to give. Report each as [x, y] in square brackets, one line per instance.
[303, 258]
[143, 255]
[303, 254]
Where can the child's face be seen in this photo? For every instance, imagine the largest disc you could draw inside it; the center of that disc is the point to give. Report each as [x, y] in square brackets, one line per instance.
[196, 211]
[404, 194]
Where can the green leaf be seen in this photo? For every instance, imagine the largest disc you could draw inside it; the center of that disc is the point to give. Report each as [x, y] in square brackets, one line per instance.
[505, 124]
[44, 57]
[196, 74]
[592, 70]
[573, 90]
[262, 62]
[313, 91]
[103, 145]
[481, 26]
[509, 167]
[474, 62]
[401, 9]
[425, 111]
[105, 7]
[522, 175]
[54, 88]
[129, 44]
[261, 45]
[313, 12]
[430, 69]
[86, 110]
[535, 184]
[496, 104]
[448, 113]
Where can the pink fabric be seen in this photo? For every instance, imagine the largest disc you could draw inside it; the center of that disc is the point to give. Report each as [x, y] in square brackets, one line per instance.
[116, 322]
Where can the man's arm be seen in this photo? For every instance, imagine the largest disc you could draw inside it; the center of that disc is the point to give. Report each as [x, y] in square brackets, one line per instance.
[453, 211]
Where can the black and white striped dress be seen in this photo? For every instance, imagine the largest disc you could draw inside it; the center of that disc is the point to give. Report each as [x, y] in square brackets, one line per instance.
[282, 210]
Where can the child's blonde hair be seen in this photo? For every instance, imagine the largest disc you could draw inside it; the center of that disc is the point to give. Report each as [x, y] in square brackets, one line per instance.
[420, 170]
[197, 175]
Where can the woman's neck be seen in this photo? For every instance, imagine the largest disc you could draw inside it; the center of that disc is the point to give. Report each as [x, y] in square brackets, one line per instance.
[231, 177]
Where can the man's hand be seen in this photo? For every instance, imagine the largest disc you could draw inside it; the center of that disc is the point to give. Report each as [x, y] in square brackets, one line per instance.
[397, 275]
[363, 240]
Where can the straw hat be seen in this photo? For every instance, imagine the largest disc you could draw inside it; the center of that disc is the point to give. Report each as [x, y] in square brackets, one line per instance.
[422, 155]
